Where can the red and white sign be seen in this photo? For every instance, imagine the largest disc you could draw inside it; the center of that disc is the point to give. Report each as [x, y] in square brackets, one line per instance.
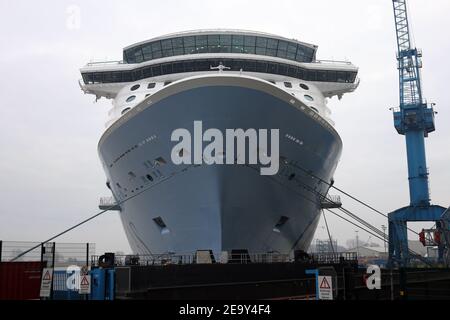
[325, 288]
[46, 282]
[85, 284]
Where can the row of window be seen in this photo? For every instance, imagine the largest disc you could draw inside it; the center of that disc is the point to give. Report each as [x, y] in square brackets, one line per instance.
[219, 43]
[205, 65]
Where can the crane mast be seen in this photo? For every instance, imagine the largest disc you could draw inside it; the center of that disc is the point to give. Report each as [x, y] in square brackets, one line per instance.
[414, 119]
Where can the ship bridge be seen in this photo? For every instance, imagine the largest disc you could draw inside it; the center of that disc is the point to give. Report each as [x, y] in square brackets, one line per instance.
[149, 66]
[220, 41]
[197, 51]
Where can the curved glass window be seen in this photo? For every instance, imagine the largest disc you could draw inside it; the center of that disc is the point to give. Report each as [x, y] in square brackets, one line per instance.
[219, 43]
[131, 98]
[202, 65]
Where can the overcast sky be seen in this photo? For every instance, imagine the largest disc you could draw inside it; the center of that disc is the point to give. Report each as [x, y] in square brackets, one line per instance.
[50, 174]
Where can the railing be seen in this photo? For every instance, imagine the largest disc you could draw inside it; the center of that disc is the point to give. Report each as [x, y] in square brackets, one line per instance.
[331, 202]
[334, 62]
[108, 203]
[191, 258]
[95, 63]
[334, 257]
[61, 254]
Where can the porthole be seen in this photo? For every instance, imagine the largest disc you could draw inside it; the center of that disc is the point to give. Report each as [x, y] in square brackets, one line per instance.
[288, 85]
[149, 177]
[309, 98]
[151, 85]
[135, 87]
[147, 95]
[304, 86]
[126, 110]
[167, 83]
[131, 98]
[314, 109]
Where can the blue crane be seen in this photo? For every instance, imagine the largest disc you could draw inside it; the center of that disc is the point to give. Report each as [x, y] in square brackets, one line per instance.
[414, 119]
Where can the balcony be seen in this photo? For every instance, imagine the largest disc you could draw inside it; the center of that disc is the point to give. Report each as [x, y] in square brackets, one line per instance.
[108, 203]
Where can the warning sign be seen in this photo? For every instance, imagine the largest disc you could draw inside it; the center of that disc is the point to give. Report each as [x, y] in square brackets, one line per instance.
[325, 288]
[46, 282]
[85, 284]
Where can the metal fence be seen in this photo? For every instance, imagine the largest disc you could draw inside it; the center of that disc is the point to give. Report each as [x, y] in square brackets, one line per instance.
[334, 257]
[55, 254]
[192, 258]
[61, 290]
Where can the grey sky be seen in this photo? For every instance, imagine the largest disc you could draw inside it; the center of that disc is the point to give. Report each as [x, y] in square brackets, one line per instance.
[50, 174]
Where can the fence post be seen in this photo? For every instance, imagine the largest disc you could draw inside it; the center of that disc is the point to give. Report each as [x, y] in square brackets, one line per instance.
[53, 266]
[392, 285]
[403, 283]
[53, 255]
[86, 296]
[87, 255]
[345, 283]
[42, 253]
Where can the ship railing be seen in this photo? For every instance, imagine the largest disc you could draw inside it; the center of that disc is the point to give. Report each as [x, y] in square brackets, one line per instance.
[245, 258]
[333, 257]
[346, 62]
[191, 258]
[100, 63]
[231, 258]
[107, 201]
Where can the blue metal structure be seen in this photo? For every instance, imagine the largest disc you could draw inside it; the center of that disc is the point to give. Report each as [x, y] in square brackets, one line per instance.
[415, 120]
[103, 284]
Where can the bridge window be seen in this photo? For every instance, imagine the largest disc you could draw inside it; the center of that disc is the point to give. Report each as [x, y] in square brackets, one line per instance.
[219, 43]
[248, 65]
[331, 76]
[250, 41]
[311, 75]
[321, 76]
[341, 76]
[126, 76]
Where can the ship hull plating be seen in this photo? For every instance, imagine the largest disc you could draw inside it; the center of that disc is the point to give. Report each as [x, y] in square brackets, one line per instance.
[180, 209]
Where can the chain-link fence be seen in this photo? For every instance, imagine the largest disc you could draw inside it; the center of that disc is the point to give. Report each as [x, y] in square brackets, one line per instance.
[54, 253]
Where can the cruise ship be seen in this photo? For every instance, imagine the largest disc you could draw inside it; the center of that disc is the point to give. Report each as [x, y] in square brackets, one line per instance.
[225, 79]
